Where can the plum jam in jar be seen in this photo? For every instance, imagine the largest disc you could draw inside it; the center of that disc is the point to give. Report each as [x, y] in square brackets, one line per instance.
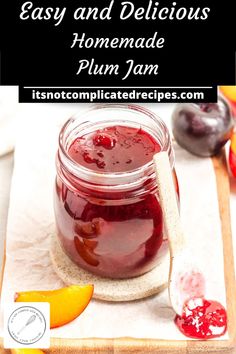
[108, 217]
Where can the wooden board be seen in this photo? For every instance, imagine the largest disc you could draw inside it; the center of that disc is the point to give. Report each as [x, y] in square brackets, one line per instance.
[151, 346]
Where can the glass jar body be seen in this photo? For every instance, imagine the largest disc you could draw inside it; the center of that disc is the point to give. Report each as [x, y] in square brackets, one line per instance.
[109, 228]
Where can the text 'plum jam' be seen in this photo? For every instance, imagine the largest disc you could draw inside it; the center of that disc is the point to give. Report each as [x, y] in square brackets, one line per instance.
[108, 216]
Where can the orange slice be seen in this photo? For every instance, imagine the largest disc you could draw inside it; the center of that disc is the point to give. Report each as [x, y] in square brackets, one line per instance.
[65, 304]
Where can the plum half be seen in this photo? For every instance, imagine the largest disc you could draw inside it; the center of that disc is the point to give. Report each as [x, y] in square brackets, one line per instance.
[202, 128]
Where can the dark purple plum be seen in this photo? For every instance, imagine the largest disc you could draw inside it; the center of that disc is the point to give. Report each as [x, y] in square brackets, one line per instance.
[203, 128]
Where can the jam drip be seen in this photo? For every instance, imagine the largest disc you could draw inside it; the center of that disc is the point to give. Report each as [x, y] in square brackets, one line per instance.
[202, 319]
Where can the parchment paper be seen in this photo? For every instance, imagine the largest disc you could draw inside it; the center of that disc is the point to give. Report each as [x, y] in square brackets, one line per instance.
[8, 109]
[31, 222]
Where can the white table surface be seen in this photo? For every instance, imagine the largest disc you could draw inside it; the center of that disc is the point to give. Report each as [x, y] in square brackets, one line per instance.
[66, 110]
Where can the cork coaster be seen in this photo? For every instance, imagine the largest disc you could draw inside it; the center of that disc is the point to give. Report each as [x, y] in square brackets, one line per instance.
[110, 289]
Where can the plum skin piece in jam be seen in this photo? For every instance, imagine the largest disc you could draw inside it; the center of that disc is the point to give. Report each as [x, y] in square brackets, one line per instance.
[110, 233]
[202, 319]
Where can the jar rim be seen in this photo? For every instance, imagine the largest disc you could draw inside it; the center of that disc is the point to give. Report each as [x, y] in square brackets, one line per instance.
[114, 178]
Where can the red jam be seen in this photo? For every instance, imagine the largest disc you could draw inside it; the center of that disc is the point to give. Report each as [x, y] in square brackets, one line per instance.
[202, 319]
[115, 234]
[114, 149]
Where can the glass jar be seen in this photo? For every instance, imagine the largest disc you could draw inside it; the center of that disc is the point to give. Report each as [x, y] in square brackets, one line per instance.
[110, 223]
